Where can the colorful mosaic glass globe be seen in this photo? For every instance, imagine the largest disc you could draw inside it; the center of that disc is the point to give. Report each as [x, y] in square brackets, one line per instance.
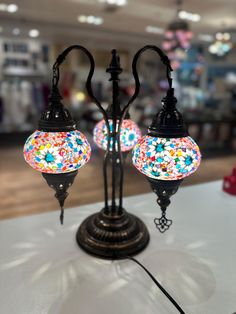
[129, 135]
[57, 152]
[166, 158]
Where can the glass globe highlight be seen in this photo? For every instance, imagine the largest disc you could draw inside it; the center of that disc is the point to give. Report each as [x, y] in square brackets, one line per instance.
[57, 152]
[129, 135]
[166, 158]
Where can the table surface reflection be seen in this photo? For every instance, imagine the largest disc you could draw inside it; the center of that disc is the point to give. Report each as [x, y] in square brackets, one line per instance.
[42, 270]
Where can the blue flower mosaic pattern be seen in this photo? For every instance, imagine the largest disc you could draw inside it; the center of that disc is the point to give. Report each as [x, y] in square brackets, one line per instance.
[166, 158]
[57, 152]
[129, 135]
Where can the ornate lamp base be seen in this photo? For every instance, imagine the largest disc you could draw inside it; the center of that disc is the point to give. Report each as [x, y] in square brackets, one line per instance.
[112, 235]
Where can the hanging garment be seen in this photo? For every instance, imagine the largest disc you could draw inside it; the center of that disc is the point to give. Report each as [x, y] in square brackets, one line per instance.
[1, 110]
[27, 102]
[38, 97]
[6, 95]
[18, 110]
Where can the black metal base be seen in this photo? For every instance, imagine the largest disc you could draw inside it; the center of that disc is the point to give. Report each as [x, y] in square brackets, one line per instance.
[112, 236]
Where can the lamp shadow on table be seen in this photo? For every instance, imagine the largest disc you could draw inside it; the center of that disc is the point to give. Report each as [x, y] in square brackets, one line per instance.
[121, 285]
[185, 276]
[94, 285]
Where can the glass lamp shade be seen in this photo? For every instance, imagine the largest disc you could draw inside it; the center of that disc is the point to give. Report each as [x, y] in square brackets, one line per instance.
[166, 158]
[129, 135]
[57, 152]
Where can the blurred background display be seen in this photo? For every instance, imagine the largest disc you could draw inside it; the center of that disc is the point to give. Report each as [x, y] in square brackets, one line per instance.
[200, 40]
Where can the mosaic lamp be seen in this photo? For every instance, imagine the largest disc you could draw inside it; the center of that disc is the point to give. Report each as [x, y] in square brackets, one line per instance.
[166, 155]
[57, 149]
[129, 135]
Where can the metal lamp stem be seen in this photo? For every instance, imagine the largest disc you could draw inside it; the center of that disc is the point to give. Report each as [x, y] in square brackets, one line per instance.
[112, 232]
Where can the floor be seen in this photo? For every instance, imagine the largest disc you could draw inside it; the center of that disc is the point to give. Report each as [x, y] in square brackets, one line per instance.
[25, 192]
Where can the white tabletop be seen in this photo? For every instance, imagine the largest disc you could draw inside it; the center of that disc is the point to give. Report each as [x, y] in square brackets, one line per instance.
[43, 271]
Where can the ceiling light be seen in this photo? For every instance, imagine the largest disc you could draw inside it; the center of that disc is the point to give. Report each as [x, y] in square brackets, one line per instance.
[90, 19]
[205, 37]
[121, 2]
[98, 21]
[184, 15]
[33, 33]
[154, 29]
[111, 1]
[195, 17]
[82, 19]
[177, 40]
[12, 8]
[16, 31]
[114, 2]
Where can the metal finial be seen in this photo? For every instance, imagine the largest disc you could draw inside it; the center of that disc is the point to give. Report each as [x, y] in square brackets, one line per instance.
[114, 68]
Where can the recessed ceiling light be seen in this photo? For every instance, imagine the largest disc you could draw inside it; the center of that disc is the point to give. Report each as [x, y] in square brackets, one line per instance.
[184, 15]
[90, 19]
[121, 2]
[33, 33]
[16, 31]
[12, 8]
[154, 29]
[82, 19]
[195, 17]
[98, 21]
[114, 2]
[111, 1]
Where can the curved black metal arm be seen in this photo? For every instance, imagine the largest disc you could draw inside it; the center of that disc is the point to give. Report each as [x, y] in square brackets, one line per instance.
[56, 73]
[56, 76]
[165, 60]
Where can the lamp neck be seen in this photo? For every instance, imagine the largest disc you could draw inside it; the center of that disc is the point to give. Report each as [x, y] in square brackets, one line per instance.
[168, 122]
[114, 69]
[56, 118]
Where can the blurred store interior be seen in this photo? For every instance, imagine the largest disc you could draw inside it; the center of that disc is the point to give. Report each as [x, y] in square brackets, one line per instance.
[198, 36]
